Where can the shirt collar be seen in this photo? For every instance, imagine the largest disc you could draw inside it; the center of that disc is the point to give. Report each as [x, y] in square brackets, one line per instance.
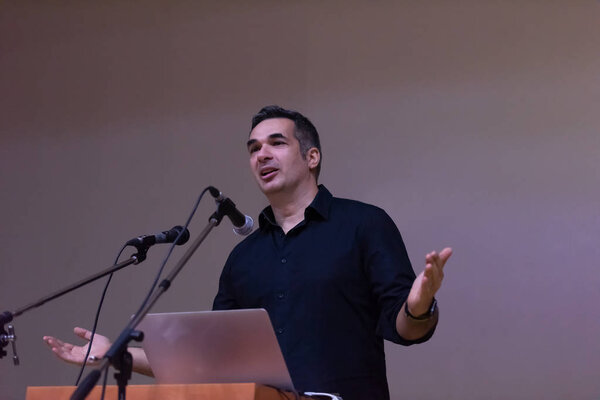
[319, 208]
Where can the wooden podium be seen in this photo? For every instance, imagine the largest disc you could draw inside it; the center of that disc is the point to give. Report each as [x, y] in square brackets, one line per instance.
[207, 391]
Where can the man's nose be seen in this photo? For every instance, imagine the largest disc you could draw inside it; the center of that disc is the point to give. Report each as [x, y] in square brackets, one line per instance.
[263, 154]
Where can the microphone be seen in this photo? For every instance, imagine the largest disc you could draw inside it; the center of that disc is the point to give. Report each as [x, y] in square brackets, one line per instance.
[242, 224]
[163, 237]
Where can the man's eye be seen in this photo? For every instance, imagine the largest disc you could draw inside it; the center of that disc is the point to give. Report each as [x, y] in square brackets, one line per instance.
[278, 143]
[252, 149]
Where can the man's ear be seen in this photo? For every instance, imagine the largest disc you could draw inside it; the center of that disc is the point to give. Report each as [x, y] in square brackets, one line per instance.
[313, 156]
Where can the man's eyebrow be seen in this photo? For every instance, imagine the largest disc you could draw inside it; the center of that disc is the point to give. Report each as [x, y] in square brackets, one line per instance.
[271, 136]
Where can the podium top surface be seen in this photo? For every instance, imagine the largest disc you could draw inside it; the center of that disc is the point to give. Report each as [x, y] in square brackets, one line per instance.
[207, 391]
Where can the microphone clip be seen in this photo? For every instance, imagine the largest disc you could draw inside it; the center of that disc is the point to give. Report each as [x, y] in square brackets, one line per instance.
[142, 253]
[224, 207]
[178, 235]
[242, 224]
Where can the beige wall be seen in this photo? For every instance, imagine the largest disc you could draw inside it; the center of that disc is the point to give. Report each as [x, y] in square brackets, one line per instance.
[473, 123]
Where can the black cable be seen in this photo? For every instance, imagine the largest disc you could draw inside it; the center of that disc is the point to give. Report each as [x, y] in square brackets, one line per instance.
[152, 288]
[162, 267]
[87, 354]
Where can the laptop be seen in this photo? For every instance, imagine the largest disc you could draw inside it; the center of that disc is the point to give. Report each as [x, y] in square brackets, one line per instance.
[232, 346]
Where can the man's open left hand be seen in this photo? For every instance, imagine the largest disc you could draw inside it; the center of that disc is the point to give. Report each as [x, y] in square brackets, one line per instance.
[428, 282]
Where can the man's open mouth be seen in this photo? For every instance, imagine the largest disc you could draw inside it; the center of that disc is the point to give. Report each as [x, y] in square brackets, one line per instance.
[267, 171]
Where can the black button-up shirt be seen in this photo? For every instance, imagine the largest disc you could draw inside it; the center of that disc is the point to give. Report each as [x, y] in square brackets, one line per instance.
[333, 286]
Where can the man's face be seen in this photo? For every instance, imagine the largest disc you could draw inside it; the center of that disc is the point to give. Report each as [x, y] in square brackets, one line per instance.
[275, 158]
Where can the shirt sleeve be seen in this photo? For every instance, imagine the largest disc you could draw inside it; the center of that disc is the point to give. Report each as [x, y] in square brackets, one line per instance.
[389, 270]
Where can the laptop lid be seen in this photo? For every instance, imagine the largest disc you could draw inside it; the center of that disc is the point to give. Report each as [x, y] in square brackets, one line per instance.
[230, 346]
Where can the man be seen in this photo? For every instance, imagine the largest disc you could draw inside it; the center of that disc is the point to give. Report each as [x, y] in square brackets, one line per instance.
[332, 273]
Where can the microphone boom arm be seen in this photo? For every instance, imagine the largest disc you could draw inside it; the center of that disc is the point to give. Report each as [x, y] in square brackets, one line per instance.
[8, 316]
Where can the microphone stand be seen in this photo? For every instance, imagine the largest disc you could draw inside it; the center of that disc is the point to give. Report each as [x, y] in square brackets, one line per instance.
[118, 355]
[8, 316]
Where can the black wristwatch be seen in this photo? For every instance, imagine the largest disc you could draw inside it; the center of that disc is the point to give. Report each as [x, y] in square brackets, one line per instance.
[427, 315]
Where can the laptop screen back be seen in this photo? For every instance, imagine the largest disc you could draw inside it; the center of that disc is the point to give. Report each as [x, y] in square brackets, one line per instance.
[214, 347]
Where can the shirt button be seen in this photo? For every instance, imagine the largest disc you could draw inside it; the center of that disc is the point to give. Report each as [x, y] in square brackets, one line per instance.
[280, 296]
[283, 260]
[280, 331]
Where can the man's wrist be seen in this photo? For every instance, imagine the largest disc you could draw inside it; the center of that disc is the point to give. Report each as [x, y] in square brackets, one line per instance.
[424, 316]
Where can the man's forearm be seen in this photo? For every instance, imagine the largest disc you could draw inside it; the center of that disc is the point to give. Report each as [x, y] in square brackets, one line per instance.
[140, 361]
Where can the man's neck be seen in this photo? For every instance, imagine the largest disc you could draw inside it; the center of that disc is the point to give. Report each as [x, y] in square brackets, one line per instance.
[288, 208]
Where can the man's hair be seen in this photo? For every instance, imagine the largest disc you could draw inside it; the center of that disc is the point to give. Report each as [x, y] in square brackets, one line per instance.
[305, 132]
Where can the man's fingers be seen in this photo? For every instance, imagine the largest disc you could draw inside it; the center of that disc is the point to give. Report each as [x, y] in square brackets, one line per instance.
[445, 255]
[58, 347]
[434, 259]
[53, 342]
[438, 273]
[439, 260]
[82, 333]
[436, 263]
[434, 277]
